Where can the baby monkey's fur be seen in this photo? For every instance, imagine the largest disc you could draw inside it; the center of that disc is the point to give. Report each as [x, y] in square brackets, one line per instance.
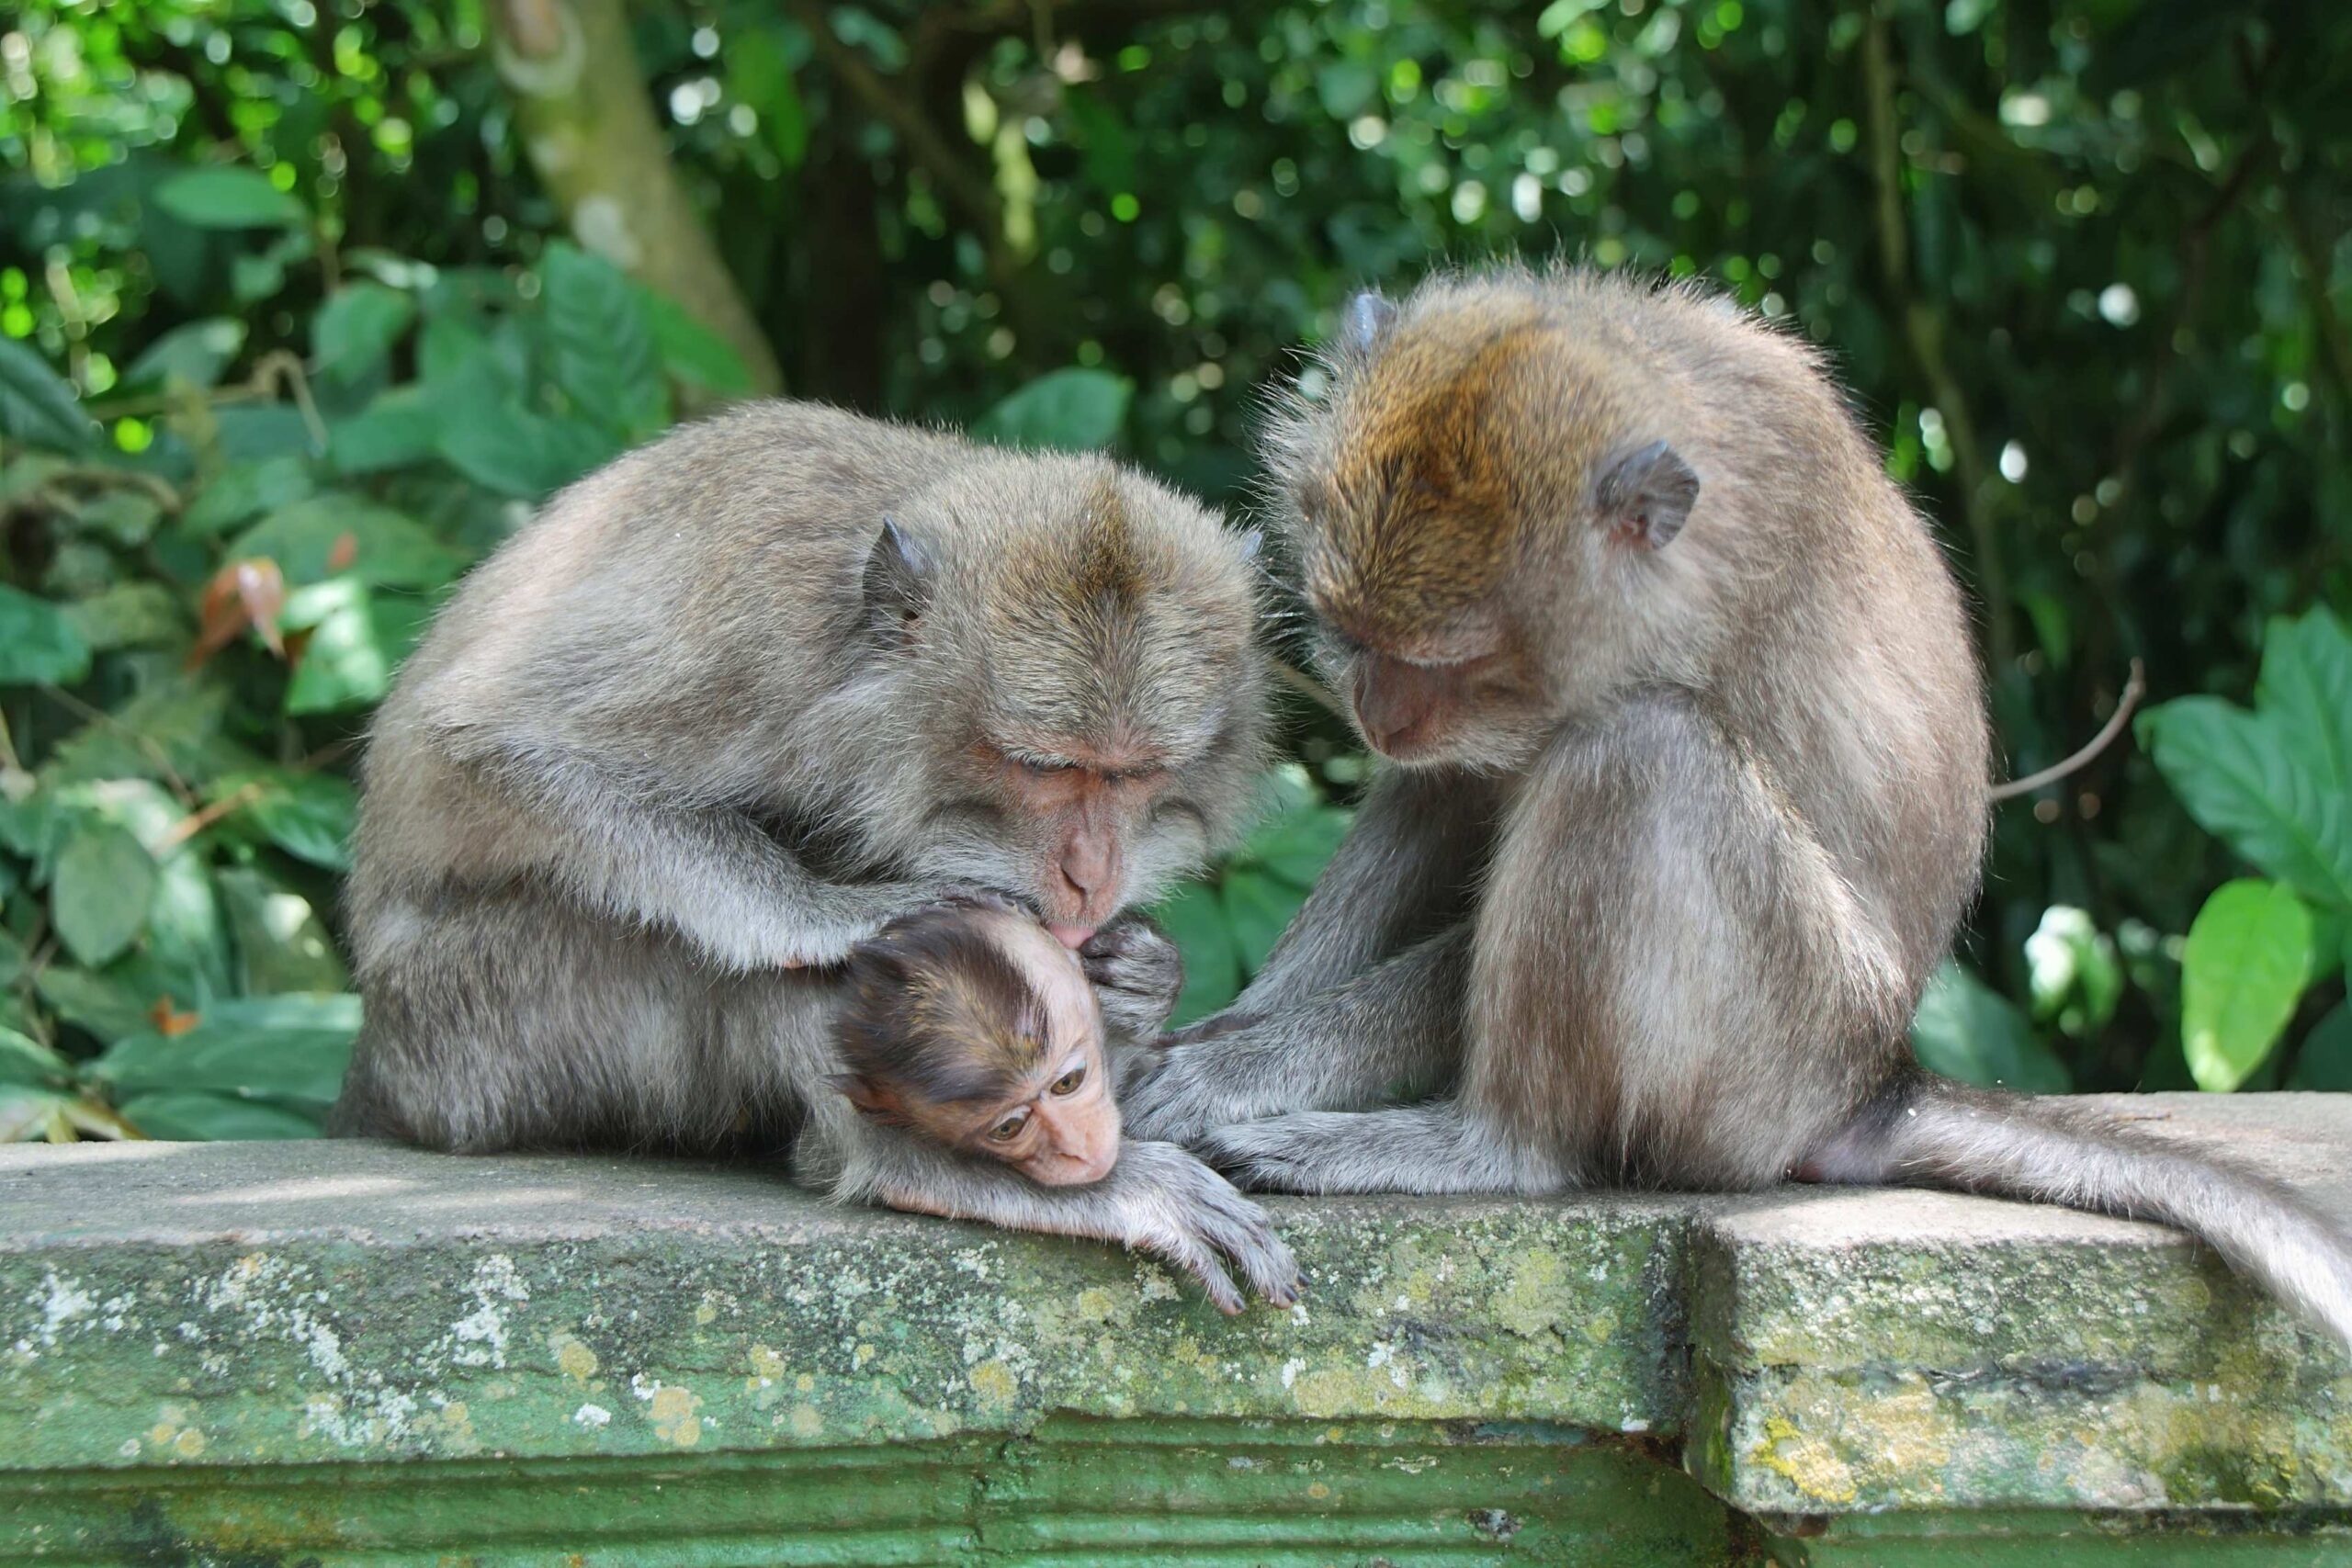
[1693, 795]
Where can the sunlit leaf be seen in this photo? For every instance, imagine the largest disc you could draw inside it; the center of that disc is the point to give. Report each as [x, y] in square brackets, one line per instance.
[325, 536]
[605, 356]
[291, 1048]
[2242, 973]
[2248, 782]
[195, 354]
[193, 1115]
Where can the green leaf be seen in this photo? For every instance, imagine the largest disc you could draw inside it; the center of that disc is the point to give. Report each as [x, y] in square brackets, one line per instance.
[131, 615]
[195, 354]
[36, 405]
[387, 548]
[104, 1005]
[1967, 1031]
[310, 815]
[193, 1116]
[26, 1061]
[2248, 955]
[228, 198]
[39, 643]
[2306, 686]
[2325, 1060]
[2249, 784]
[246, 491]
[281, 944]
[400, 428]
[1194, 919]
[1297, 846]
[354, 332]
[759, 74]
[125, 518]
[286, 1047]
[358, 640]
[99, 896]
[521, 453]
[1257, 907]
[692, 352]
[605, 358]
[1075, 410]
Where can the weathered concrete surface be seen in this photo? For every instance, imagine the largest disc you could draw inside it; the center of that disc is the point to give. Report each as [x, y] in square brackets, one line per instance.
[206, 1350]
[230, 1304]
[1858, 1351]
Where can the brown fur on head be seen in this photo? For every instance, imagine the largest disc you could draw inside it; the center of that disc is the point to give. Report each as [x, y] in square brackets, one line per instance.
[1093, 657]
[1484, 507]
[971, 1026]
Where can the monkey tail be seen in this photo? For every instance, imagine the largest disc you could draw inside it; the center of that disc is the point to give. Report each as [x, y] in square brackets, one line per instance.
[1931, 1131]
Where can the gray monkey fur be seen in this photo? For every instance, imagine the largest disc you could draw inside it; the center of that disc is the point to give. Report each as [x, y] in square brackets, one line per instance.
[1670, 926]
[705, 723]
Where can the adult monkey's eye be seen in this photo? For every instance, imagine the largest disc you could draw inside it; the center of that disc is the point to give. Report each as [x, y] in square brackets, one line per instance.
[1068, 1083]
[1045, 765]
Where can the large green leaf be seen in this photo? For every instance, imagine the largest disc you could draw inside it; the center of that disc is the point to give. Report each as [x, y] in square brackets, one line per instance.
[1195, 922]
[39, 645]
[2252, 785]
[355, 330]
[2306, 686]
[327, 536]
[129, 614]
[228, 198]
[521, 453]
[286, 1048]
[1259, 907]
[1967, 1031]
[281, 944]
[99, 896]
[36, 404]
[2248, 955]
[604, 355]
[195, 1116]
[105, 1005]
[1074, 410]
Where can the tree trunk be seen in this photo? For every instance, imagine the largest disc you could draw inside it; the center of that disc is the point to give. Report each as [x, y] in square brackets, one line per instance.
[581, 105]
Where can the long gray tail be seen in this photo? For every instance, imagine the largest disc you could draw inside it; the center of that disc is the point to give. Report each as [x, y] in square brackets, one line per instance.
[1934, 1133]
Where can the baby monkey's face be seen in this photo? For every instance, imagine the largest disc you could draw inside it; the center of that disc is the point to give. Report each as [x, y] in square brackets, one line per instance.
[975, 1028]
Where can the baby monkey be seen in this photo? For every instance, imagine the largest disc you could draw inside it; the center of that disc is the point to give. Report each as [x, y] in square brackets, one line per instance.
[970, 1025]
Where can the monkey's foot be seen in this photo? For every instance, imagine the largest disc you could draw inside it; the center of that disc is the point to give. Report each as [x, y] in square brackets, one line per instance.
[1420, 1148]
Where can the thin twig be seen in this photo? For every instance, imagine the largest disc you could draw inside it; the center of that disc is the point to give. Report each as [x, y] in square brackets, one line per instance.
[196, 821]
[2133, 690]
[1306, 685]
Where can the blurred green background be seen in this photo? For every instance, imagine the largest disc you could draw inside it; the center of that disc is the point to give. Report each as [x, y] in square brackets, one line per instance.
[304, 303]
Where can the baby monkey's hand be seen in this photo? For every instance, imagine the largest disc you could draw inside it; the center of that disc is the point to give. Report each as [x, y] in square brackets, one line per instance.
[1136, 973]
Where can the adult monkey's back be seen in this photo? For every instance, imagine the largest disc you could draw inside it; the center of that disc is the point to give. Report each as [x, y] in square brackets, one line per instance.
[1693, 796]
[727, 706]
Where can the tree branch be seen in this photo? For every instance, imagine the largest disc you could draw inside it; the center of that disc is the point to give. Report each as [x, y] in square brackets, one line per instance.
[580, 101]
[1924, 331]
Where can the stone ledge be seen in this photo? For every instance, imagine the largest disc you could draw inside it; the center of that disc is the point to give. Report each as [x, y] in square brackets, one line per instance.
[172, 1312]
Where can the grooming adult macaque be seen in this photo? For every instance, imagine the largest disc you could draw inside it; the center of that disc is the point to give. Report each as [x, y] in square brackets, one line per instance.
[726, 707]
[1691, 793]
[972, 1025]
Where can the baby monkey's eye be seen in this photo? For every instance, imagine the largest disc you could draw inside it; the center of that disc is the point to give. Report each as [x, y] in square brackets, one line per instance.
[1010, 1128]
[1068, 1083]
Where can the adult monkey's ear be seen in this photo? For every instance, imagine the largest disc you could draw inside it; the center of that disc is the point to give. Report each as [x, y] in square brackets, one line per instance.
[898, 585]
[1364, 321]
[1646, 495]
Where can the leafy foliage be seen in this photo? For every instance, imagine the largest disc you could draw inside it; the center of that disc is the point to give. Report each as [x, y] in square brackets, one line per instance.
[2276, 785]
[288, 338]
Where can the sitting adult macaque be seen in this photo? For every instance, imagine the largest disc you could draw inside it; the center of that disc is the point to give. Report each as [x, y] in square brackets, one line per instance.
[724, 709]
[1690, 795]
[969, 1023]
